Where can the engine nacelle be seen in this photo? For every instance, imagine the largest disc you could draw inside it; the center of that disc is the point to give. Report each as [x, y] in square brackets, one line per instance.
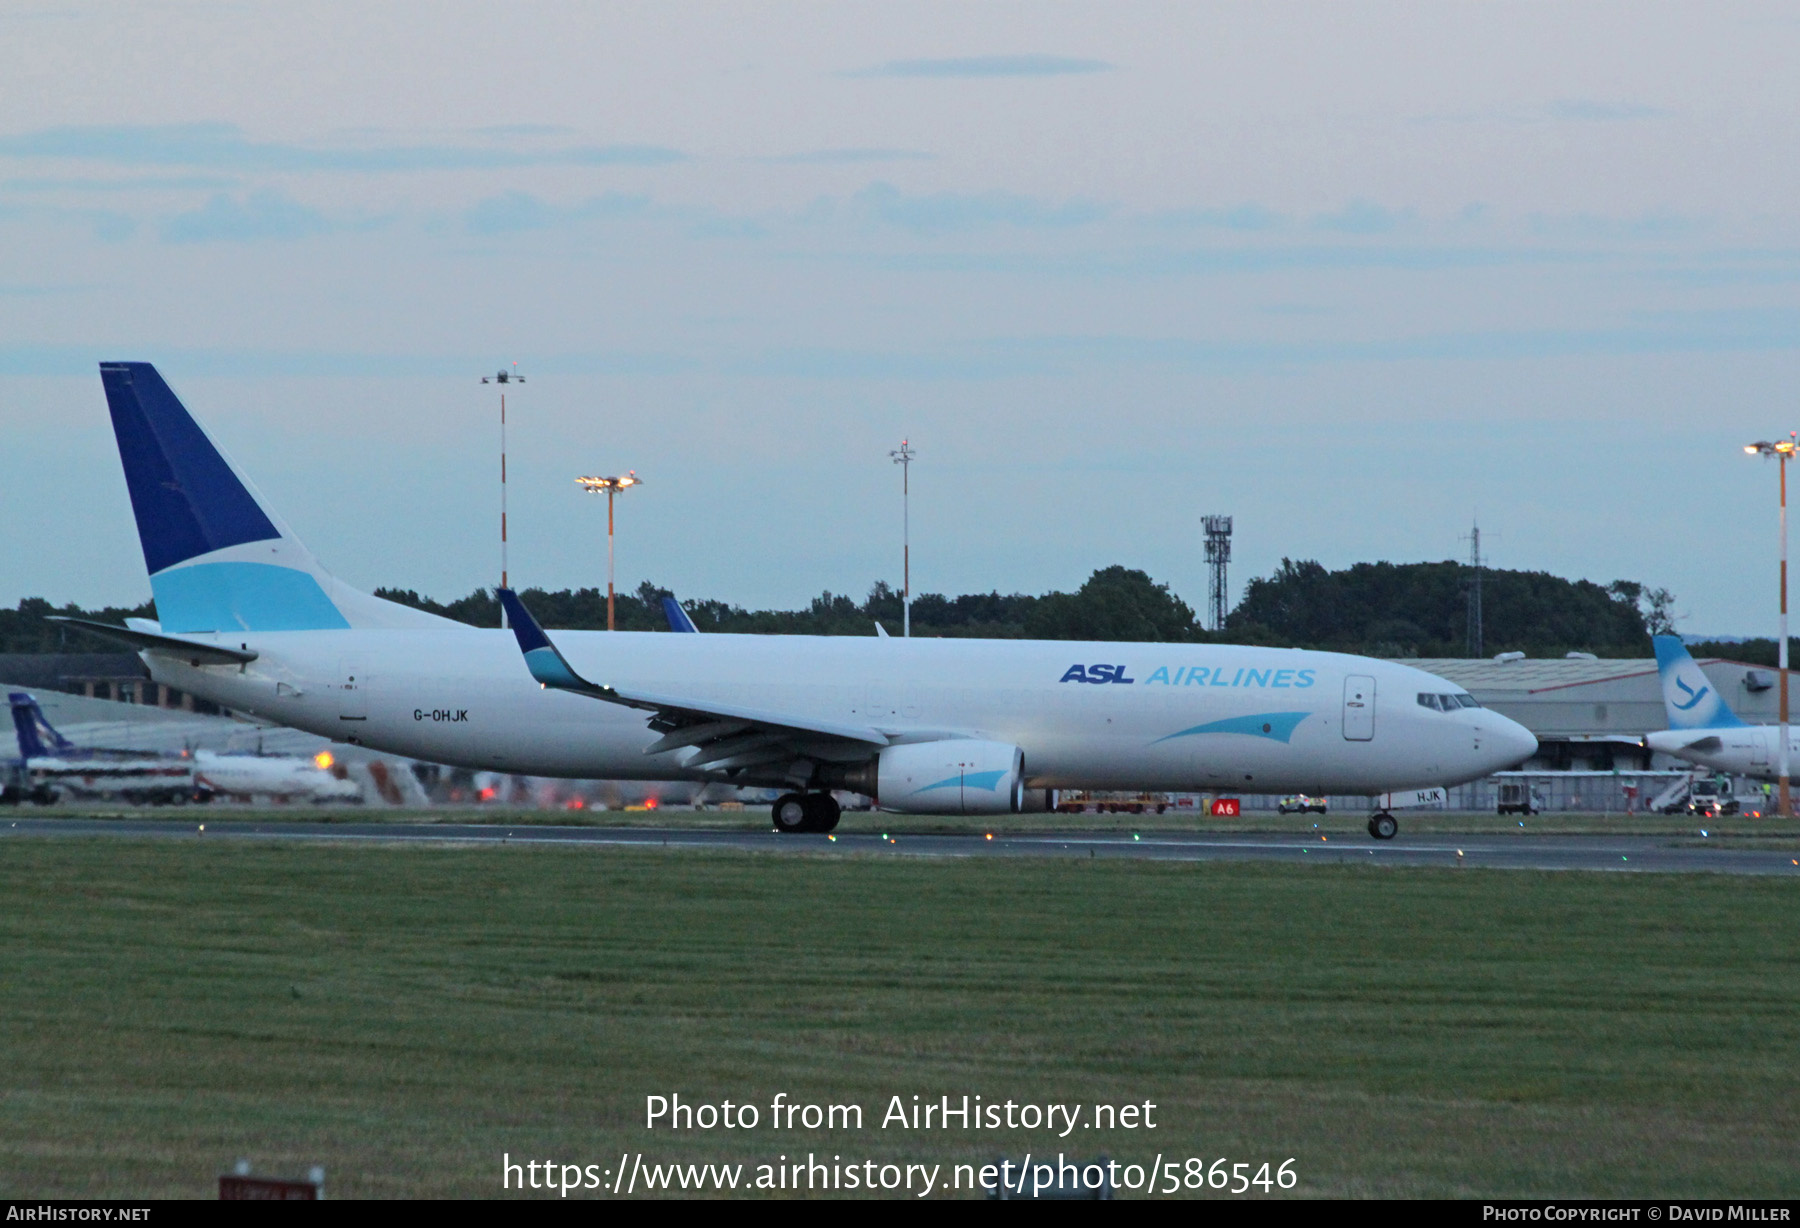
[961, 776]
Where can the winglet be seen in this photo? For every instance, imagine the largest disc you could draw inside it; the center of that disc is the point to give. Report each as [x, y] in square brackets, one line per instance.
[678, 617]
[541, 657]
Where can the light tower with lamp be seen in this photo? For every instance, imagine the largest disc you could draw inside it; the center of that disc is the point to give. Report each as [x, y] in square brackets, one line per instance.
[903, 457]
[611, 487]
[1782, 450]
[503, 377]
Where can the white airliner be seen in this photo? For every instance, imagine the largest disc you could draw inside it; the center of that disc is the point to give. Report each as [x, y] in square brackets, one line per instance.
[250, 620]
[1702, 727]
[50, 766]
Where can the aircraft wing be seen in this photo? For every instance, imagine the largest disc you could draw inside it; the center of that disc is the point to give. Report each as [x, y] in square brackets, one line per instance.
[726, 738]
[175, 646]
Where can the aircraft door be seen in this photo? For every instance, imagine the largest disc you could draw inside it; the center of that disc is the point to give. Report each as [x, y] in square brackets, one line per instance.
[1359, 708]
[353, 691]
[1759, 750]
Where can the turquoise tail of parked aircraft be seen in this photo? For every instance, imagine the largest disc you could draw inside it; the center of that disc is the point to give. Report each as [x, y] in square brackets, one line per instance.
[1689, 698]
[1702, 727]
[249, 619]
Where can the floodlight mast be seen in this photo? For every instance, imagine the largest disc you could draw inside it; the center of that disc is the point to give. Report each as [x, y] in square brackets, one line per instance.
[1783, 451]
[611, 486]
[503, 377]
[903, 457]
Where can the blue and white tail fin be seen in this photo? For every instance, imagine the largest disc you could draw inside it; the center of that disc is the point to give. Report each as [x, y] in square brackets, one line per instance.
[1689, 698]
[678, 617]
[37, 736]
[218, 559]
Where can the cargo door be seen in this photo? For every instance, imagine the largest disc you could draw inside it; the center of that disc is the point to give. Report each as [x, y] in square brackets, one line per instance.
[1359, 708]
[353, 691]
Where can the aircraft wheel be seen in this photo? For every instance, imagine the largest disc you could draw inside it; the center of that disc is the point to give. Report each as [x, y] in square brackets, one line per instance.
[1383, 826]
[822, 812]
[791, 813]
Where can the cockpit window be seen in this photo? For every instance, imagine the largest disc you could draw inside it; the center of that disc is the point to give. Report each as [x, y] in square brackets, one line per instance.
[1446, 703]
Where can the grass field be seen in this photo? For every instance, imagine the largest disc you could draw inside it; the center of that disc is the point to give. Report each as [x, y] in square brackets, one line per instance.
[404, 1016]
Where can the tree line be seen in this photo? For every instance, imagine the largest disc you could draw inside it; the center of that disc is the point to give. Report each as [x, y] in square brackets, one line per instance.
[1382, 609]
[1116, 603]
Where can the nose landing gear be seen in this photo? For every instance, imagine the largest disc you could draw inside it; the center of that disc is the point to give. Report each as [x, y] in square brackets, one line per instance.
[806, 812]
[1383, 826]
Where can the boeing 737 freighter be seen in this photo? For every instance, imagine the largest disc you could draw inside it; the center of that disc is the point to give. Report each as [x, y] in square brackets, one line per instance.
[1702, 727]
[250, 620]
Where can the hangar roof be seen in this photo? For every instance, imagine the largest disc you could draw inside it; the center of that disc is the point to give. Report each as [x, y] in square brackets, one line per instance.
[1578, 698]
[1534, 674]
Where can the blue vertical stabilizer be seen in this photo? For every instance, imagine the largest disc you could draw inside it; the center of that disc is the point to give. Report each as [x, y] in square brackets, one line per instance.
[218, 559]
[1689, 697]
[37, 736]
[186, 499]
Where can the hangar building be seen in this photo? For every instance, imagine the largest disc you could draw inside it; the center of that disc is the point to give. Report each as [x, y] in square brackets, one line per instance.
[1590, 716]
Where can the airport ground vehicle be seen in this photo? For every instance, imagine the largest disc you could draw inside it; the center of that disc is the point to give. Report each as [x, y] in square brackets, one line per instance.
[1080, 802]
[1711, 797]
[1301, 803]
[1518, 797]
[249, 619]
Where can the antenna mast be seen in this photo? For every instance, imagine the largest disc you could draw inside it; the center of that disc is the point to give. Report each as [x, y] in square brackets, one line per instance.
[1475, 637]
[1218, 553]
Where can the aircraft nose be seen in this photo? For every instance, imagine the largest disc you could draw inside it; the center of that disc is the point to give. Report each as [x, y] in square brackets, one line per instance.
[1510, 742]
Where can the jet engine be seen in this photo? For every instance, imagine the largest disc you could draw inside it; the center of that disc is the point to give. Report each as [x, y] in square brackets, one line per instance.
[957, 776]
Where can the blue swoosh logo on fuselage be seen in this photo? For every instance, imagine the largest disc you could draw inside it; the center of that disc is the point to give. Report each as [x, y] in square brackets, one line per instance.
[1276, 726]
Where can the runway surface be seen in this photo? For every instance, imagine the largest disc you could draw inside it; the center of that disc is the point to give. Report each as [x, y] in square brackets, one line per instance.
[1522, 852]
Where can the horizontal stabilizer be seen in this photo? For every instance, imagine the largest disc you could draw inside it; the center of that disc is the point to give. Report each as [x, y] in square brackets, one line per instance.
[174, 646]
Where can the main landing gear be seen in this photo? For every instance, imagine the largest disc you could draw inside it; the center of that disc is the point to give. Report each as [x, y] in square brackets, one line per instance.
[796, 812]
[1383, 826]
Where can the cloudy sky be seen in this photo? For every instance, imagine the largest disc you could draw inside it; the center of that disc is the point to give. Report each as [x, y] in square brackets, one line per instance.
[1355, 274]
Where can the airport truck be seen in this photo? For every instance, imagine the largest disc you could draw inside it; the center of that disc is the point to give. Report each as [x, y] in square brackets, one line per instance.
[1518, 797]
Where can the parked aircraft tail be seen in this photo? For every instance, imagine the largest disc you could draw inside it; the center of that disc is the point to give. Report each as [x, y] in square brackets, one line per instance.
[218, 558]
[37, 736]
[1689, 697]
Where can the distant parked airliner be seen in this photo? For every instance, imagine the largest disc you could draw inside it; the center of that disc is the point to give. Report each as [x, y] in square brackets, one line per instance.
[1702, 727]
